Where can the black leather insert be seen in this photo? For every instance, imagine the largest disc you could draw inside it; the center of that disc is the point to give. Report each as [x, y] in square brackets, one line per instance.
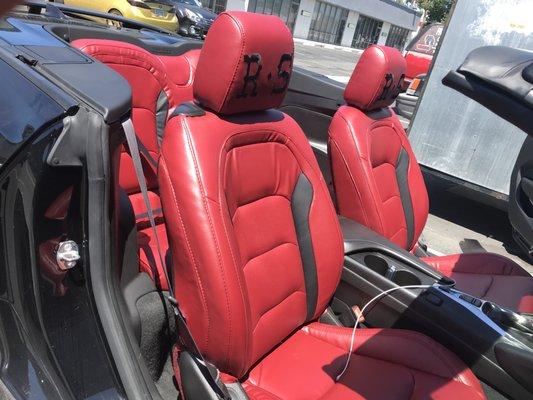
[301, 205]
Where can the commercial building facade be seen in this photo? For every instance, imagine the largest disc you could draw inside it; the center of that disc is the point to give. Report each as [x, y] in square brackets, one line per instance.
[352, 23]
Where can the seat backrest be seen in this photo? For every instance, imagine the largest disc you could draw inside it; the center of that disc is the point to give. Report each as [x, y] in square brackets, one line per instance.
[257, 249]
[158, 85]
[376, 177]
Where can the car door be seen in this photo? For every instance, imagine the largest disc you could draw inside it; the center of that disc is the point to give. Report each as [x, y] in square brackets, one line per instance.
[521, 198]
[501, 79]
[50, 344]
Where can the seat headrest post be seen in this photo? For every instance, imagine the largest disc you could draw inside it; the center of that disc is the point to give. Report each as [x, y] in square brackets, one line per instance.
[245, 64]
[377, 78]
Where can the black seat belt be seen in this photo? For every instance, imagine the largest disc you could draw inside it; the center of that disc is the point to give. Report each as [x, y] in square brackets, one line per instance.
[184, 336]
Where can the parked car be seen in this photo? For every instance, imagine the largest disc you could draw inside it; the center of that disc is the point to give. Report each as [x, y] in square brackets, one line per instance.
[118, 183]
[419, 52]
[194, 19]
[154, 12]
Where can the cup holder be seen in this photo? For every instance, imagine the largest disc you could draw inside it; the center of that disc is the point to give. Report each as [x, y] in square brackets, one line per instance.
[405, 278]
[377, 264]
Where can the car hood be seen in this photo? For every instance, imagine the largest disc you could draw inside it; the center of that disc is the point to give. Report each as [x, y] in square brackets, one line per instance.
[199, 10]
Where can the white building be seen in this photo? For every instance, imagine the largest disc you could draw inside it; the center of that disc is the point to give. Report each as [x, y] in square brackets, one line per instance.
[353, 23]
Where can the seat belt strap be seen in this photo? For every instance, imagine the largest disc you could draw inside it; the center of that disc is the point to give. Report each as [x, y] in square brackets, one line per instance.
[131, 138]
[185, 338]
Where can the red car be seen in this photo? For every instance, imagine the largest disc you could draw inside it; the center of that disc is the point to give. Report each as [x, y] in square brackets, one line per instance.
[419, 52]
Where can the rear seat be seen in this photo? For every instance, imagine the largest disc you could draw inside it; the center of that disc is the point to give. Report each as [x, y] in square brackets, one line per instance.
[159, 84]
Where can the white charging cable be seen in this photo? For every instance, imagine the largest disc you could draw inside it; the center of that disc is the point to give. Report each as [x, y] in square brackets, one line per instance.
[362, 313]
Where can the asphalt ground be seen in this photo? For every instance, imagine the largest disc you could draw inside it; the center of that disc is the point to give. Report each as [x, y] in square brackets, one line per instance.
[457, 223]
[336, 64]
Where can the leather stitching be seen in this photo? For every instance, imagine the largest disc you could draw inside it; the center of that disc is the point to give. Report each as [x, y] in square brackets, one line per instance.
[189, 248]
[213, 234]
[345, 164]
[363, 169]
[243, 41]
[267, 251]
[411, 336]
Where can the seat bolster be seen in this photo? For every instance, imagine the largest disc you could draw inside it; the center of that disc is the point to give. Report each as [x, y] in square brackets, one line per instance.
[354, 186]
[408, 348]
[476, 263]
[208, 282]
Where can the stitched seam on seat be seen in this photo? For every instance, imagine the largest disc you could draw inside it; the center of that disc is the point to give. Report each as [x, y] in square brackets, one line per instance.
[359, 159]
[267, 251]
[135, 61]
[276, 305]
[489, 286]
[398, 334]
[259, 199]
[215, 240]
[379, 86]
[325, 193]
[345, 164]
[265, 392]
[241, 31]
[236, 271]
[399, 230]
[236, 266]
[190, 251]
[317, 175]
[394, 196]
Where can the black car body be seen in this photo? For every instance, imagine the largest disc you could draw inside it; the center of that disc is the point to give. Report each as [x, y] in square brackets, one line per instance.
[194, 19]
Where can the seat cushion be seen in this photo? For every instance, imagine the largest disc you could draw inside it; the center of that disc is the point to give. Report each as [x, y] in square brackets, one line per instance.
[488, 276]
[386, 364]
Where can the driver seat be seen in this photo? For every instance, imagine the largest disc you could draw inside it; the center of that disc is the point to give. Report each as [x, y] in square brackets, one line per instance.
[379, 184]
[257, 248]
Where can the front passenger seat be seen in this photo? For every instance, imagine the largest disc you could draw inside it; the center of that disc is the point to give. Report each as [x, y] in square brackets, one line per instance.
[379, 184]
[256, 242]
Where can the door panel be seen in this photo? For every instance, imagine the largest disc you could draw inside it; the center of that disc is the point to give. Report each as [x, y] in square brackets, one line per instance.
[521, 198]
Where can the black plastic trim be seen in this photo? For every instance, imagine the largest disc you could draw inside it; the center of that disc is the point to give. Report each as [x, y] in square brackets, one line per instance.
[161, 116]
[189, 109]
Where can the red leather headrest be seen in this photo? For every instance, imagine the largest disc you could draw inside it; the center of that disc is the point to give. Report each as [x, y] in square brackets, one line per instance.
[377, 78]
[245, 64]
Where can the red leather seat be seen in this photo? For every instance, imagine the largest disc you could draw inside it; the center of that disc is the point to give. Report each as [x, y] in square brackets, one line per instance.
[256, 243]
[158, 84]
[378, 181]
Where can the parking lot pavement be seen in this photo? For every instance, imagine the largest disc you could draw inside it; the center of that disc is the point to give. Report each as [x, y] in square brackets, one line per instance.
[337, 64]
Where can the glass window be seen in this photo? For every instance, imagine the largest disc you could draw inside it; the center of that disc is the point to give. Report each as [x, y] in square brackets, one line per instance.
[367, 32]
[427, 40]
[216, 6]
[327, 23]
[23, 110]
[285, 9]
[397, 37]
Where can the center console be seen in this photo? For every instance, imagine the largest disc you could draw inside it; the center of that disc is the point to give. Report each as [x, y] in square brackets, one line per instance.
[495, 342]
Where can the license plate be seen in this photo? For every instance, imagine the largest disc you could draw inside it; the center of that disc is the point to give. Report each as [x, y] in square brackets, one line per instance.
[159, 13]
